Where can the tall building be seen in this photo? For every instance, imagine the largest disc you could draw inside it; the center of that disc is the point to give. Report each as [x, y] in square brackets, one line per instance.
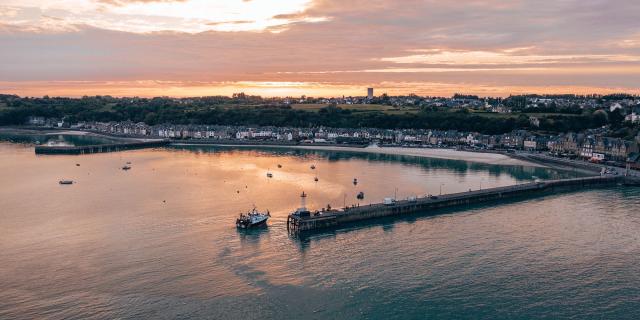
[370, 93]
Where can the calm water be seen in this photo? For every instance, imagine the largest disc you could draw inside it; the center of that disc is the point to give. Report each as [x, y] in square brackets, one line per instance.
[158, 241]
[55, 139]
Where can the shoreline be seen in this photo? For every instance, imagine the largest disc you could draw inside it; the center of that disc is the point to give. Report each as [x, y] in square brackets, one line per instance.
[474, 156]
[74, 132]
[434, 153]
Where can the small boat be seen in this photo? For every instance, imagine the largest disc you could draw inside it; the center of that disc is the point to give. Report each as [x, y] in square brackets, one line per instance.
[360, 195]
[125, 168]
[252, 219]
[315, 179]
[77, 164]
[66, 182]
[269, 175]
[279, 166]
[355, 181]
[313, 166]
[128, 162]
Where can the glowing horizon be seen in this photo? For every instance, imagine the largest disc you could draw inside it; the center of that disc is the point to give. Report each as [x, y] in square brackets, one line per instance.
[317, 47]
[149, 89]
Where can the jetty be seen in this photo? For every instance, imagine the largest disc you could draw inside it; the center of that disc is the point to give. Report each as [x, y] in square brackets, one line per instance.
[100, 148]
[303, 220]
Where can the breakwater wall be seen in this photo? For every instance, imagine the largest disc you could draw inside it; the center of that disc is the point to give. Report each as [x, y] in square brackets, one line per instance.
[335, 218]
[547, 160]
[100, 148]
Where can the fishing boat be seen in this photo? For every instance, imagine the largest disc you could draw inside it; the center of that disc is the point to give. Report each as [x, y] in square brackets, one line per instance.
[252, 219]
[66, 182]
[360, 195]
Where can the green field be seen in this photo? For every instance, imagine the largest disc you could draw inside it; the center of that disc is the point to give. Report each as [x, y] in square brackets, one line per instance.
[354, 107]
[517, 114]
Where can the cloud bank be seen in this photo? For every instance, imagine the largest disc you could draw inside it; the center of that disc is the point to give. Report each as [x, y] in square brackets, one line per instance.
[465, 46]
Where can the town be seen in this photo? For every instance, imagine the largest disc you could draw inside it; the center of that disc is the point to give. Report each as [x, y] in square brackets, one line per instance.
[595, 128]
[590, 145]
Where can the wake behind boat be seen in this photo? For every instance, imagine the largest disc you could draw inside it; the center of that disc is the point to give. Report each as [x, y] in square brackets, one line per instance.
[252, 219]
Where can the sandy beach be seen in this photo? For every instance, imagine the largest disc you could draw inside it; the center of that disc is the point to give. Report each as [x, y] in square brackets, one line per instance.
[437, 153]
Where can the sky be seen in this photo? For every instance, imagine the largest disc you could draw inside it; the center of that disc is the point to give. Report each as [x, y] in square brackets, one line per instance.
[318, 47]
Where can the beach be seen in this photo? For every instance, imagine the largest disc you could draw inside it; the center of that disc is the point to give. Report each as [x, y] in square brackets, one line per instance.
[436, 153]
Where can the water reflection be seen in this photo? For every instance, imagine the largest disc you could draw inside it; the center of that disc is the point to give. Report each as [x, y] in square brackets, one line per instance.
[54, 139]
[459, 167]
[252, 235]
[161, 239]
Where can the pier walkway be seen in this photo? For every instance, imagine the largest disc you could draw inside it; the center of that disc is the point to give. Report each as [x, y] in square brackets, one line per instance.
[334, 218]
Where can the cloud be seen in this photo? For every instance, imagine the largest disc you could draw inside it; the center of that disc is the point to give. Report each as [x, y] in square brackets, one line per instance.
[569, 43]
[125, 2]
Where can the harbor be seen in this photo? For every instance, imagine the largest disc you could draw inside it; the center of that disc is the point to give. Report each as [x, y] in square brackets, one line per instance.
[100, 148]
[170, 221]
[303, 220]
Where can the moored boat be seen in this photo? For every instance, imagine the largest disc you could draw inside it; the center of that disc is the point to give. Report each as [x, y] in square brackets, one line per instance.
[252, 219]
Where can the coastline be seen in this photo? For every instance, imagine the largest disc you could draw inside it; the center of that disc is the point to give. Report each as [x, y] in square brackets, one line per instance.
[475, 156]
[434, 153]
[72, 132]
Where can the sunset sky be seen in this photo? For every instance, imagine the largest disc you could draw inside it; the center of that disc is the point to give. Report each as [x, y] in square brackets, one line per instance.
[318, 47]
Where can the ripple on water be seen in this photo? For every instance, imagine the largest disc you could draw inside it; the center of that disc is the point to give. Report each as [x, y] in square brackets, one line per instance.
[116, 250]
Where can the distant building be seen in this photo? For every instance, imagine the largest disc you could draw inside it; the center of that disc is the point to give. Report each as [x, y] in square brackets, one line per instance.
[36, 121]
[369, 93]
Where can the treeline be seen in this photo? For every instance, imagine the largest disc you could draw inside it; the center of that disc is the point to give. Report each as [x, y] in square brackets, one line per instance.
[218, 111]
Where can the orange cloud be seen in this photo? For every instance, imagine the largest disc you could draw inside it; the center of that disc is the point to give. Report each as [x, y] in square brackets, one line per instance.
[340, 45]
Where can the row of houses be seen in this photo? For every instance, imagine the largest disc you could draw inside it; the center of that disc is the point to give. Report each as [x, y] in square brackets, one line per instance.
[591, 145]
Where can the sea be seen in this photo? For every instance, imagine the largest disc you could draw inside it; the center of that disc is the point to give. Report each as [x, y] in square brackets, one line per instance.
[159, 241]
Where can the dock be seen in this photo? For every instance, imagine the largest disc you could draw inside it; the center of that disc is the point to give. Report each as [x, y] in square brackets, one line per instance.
[100, 148]
[297, 223]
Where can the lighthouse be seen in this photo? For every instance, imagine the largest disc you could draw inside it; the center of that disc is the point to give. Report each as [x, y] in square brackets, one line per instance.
[303, 211]
[303, 202]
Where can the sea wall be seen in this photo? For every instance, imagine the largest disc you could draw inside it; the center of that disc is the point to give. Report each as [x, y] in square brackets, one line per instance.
[426, 204]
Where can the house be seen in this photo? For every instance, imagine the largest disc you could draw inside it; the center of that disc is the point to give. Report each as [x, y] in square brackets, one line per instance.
[534, 121]
[633, 161]
[535, 143]
[586, 150]
[36, 121]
